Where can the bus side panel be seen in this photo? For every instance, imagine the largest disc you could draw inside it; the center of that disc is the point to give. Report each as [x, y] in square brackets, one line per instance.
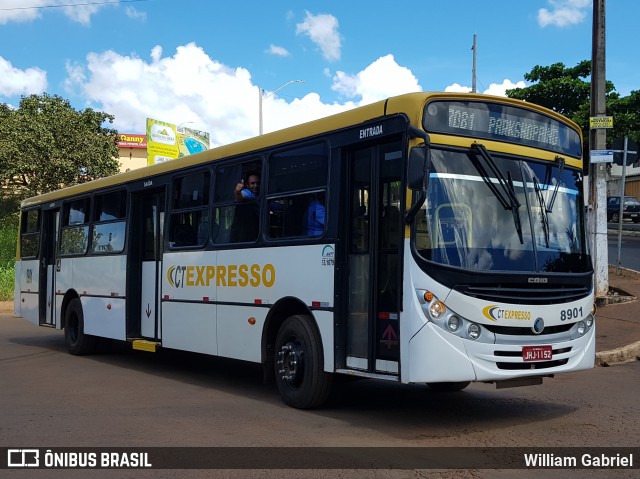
[104, 317]
[265, 276]
[100, 283]
[237, 337]
[189, 327]
[29, 290]
[188, 307]
[324, 319]
[16, 288]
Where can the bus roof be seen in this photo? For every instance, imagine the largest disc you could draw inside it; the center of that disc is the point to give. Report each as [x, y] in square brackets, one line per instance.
[410, 104]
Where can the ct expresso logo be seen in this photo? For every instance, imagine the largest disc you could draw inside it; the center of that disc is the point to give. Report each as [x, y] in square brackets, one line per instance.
[231, 275]
[495, 313]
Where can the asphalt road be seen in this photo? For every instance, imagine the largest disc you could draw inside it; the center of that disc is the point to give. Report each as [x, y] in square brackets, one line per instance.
[128, 398]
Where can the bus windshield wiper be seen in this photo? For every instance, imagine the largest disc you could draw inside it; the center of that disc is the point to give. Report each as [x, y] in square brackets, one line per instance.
[505, 194]
[560, 161]
[543, 210]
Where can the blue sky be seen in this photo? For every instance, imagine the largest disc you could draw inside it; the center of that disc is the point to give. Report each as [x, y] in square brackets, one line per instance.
[201, 62]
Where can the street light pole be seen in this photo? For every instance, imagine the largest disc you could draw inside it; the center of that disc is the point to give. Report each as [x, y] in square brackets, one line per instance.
[262, 96]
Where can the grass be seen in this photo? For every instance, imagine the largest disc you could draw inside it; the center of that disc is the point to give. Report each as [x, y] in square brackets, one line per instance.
[8, 238]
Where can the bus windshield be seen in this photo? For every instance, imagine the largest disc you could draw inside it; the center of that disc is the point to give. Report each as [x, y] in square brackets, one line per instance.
[467, 222]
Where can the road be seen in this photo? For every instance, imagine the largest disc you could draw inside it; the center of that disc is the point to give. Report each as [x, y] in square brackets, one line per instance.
[629, 247]
[127, 398]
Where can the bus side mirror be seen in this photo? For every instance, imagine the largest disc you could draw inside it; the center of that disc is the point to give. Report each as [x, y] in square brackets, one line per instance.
[419, 166]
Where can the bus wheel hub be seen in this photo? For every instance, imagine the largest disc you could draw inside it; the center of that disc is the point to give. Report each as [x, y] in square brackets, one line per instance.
[291, 363]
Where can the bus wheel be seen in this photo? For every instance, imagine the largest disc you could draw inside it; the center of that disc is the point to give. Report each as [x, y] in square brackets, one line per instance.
[299, 364]
[77, 342]
[448, 387]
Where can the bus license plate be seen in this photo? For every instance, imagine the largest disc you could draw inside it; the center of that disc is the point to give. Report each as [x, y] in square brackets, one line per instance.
[536, 353]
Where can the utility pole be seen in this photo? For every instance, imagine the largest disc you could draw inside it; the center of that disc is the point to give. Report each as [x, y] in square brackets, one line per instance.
[598, 141]
[473, 72]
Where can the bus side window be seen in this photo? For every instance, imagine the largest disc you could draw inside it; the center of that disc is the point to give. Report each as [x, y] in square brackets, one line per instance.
[296, 192]
[109, 222]
[30, 234]
[235, 221]
[74, 237]
[189, 220]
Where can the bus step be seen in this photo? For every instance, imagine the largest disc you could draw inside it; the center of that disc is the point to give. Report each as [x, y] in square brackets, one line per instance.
[145, 345]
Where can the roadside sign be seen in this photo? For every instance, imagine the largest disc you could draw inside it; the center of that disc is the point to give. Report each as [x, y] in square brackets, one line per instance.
[601, 156]
[600, 122]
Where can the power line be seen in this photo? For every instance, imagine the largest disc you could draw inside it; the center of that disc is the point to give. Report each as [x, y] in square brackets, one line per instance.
[71, 5]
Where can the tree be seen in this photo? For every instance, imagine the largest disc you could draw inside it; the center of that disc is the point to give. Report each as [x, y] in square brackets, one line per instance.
[567, 91]
[45, 144]
[557, 87]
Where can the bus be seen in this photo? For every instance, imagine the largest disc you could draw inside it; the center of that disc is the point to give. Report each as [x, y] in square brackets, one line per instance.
[449, 247]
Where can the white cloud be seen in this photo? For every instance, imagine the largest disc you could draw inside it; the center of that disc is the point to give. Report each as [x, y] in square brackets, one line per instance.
[382, 79]
[499, 89]
[458, 88]
[278, 51]
[14, 81]
[496, 89]
[564, 12]
[14, 11]
[188, 86]
[221, 99]
[17, 11]
[135, 14]
[322, 29]
[81, 13]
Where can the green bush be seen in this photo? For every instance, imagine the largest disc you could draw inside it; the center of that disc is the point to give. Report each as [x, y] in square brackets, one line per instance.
[8, 238]
[6, 283]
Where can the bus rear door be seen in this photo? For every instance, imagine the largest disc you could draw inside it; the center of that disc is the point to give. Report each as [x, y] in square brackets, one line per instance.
[145, 264]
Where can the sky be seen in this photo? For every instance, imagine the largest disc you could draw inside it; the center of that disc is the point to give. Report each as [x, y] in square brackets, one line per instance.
[203, 63]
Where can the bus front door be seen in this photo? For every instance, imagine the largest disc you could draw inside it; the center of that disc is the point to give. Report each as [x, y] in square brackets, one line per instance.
[146, 264]
[375, 235]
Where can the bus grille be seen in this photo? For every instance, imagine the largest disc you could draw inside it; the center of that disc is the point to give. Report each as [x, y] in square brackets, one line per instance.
[527, 366]
[522, 295]
[520, 331]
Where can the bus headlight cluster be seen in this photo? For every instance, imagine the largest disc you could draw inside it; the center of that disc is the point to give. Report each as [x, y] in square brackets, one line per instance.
[439, 314]
[583, 327]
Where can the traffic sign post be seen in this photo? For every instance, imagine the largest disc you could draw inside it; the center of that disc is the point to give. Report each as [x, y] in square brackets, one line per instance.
[625, 151]
[600, 122]
[601, 156]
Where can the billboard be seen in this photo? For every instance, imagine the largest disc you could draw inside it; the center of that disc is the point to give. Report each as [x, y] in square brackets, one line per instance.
[162, 141]
[166, 141]
[191, 141]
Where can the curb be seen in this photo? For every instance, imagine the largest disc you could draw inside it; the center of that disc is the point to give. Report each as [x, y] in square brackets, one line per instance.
[624, 354]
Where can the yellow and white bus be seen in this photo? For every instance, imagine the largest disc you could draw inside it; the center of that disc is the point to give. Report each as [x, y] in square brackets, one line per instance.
[448, 247]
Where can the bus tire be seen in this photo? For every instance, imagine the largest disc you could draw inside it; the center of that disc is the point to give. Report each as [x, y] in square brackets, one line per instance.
[448, 387]
[299, 364]
[77, 342]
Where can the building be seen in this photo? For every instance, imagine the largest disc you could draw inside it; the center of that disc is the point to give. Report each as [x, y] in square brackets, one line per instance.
[132, 151]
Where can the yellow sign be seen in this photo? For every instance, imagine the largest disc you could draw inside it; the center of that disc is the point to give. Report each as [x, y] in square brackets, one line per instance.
[600, 122]
[162, 142]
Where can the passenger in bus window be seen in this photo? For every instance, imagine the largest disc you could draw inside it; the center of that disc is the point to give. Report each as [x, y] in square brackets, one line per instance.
[248, 189]
[314, 217]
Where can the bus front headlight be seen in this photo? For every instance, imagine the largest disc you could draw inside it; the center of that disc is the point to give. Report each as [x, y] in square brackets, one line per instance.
[453, 323]
[437, 309]
[473, 331]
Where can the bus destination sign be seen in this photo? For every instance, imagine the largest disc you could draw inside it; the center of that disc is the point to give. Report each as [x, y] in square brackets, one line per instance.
[503, 123]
